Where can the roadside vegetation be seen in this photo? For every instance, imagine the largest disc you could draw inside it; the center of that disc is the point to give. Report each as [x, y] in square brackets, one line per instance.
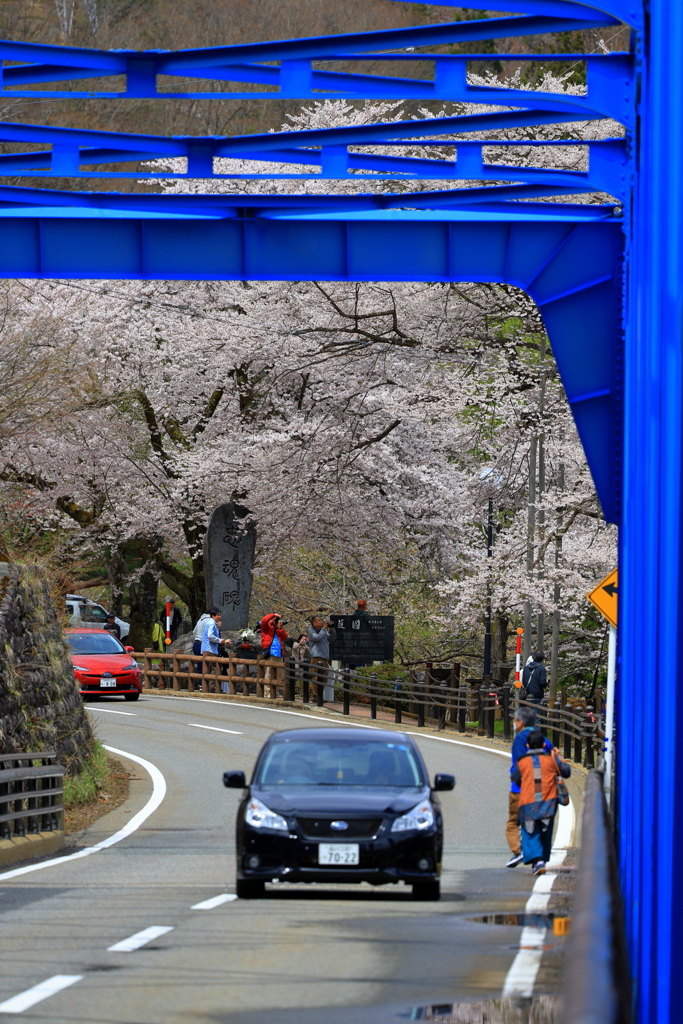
[98, 788]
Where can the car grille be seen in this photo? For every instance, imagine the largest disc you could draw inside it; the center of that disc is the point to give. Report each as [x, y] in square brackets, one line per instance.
[321, 828]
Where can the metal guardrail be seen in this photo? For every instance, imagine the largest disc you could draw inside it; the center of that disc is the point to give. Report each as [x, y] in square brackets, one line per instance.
[30, 794]
[596, 988]
[424, 697]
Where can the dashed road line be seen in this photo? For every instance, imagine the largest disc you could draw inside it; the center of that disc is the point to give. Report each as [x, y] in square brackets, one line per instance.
[214, 728]
[45, 989]
[110, 711]
[134, 942]
[215, 901]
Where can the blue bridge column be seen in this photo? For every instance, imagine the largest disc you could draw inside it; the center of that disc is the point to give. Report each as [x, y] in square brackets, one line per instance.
[651, 576]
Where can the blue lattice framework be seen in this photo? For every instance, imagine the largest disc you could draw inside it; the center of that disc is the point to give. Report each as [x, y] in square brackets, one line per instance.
[606, 277]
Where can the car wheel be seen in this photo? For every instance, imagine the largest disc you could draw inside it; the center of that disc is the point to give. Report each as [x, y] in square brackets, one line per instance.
[427, 890]
[249, 889]
[131, 696]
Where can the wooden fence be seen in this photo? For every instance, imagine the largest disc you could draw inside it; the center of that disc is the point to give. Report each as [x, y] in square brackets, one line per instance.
[425, 697]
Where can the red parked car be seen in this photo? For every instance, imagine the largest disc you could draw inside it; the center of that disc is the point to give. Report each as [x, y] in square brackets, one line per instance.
[102, 665]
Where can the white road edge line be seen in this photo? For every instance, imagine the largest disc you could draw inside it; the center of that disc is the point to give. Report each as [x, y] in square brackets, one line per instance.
[110, 711]
[214, 728]
[134, 942]
[521, 978]
[158, 794]
[50, 987]
[215, 901]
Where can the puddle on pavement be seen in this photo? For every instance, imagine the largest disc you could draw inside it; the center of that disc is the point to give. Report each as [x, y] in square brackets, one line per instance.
[541, 1009]
[558, 923]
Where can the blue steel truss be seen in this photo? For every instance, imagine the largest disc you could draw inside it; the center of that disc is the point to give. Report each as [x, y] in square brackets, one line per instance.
[607, 277]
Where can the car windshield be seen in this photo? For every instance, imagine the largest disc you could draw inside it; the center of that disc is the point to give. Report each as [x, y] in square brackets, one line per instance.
[339, 763]
[94, 643]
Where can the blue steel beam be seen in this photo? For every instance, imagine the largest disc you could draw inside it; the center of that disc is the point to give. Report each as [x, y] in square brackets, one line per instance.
[571, 267]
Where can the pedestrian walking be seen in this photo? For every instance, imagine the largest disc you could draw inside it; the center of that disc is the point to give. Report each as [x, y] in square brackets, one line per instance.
[319, 635]
[176, 617]
[534, 679]
[524, 720]
[537, 773]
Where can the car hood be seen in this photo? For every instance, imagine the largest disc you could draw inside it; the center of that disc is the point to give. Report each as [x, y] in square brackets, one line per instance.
[348, 800]
[101, 663]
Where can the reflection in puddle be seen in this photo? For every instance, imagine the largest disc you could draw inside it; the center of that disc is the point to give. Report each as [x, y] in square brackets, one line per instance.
[559, 924]
[537, 1010]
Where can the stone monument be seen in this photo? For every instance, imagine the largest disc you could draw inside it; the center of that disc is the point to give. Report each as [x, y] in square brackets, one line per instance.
[228, 559]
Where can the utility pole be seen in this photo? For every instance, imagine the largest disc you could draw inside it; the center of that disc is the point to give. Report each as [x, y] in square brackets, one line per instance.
[540, 621]
[530, 530]
[554, 651]
[487, 632]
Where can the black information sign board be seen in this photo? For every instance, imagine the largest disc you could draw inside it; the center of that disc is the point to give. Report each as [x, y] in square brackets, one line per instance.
[362, 641]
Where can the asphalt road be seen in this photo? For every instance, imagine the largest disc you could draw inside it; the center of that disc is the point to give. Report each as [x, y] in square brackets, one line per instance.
[303, 953]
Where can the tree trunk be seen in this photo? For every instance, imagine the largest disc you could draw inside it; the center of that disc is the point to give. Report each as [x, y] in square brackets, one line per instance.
[501, 668]
[143, 609]
[116, 568]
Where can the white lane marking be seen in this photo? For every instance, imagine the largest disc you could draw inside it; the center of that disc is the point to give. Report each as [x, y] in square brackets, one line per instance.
[23, 1001]
[110, 711]
[521, 978]
[134, 942]
[262, 707]
[215, 901]
[158, 794]
[214, 728]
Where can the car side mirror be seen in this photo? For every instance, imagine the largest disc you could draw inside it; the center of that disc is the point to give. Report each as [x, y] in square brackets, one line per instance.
[130, 649]
[234, 780]
[442, 782]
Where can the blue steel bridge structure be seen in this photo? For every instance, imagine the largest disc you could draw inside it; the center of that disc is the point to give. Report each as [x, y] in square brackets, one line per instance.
[606, 278]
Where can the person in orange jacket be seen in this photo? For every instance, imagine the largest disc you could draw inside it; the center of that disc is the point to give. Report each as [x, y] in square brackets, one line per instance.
[271, 627]
[536, 774]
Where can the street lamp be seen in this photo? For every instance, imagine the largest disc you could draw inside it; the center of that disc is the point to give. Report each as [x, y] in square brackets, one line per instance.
[492, 481]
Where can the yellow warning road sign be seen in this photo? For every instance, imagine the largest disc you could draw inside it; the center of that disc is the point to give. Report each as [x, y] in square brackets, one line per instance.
[604, 597]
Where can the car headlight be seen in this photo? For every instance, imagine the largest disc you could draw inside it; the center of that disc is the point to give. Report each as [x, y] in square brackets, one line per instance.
[416, 820]
[259, 816]
[79, 668]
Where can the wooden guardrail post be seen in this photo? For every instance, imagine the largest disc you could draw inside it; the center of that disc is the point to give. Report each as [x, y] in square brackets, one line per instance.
[398, 703]
[306, 682]
[567, 732]
[505, 702]
[346, 692]
[373, 695]
[589, 732]
[462, 709]
[420, 702]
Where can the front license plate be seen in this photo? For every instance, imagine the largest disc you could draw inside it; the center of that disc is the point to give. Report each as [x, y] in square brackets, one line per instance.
[338, 853]
[108, 682]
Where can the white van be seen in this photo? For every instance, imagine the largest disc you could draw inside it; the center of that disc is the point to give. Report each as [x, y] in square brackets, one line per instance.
[84, 612]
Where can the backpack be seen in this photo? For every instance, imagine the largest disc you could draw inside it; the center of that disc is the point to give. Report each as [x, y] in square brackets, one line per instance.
[275, 650]
[524, 692]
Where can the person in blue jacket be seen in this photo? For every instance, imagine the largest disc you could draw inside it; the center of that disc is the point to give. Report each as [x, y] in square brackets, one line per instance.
[524, 720]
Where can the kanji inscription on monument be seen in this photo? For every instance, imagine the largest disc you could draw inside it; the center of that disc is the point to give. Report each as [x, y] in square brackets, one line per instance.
[228, 560]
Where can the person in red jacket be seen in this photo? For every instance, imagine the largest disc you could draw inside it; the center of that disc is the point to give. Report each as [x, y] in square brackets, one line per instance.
[271, 627]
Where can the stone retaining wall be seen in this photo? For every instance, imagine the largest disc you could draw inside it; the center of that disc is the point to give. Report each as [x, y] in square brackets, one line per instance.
[40, 705]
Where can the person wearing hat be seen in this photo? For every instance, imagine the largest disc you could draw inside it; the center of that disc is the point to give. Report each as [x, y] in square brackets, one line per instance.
[361, 611]
[176, 617]
[112, 626]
